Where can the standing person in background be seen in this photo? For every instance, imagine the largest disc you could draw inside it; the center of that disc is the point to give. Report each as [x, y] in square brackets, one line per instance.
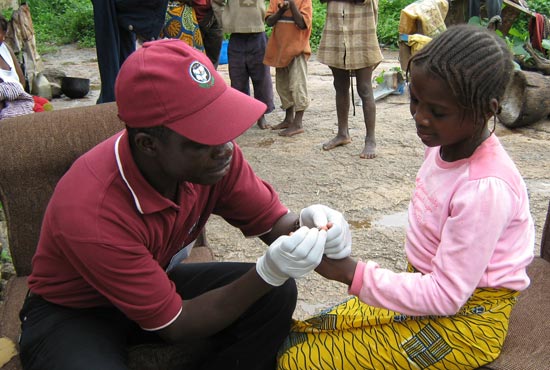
[10, 70]
[118, 24]
[470, 234]
[212, 33]
[182, 24]
[288, 50]
[493, 8]
[14, 100]
[244, 20]
[349, 45]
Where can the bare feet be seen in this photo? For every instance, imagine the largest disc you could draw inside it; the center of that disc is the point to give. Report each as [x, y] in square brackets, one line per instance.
[291, 131]
[337, 141]
[369, 151]
[262, 123]
[281, 125]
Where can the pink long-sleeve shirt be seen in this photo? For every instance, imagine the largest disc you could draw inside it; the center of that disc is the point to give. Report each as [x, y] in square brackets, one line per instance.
[469, 227]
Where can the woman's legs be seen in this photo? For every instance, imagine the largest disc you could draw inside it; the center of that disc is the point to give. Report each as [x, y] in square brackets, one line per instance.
[341, 86]
[364, 89]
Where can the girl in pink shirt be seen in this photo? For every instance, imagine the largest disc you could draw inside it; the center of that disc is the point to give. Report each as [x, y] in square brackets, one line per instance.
[469, 240]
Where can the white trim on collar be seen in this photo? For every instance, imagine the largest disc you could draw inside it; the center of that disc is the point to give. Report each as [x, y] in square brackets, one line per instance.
[121, 170]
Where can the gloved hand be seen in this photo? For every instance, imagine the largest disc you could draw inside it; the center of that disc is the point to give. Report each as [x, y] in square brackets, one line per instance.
[338, 244]
[292, 255]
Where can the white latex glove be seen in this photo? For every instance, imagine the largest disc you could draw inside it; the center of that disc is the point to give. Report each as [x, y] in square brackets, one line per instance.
[338, 244]
[292, 255]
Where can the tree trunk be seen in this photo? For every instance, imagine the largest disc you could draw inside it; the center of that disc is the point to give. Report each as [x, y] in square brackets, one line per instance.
[538, 63]
[527, 99]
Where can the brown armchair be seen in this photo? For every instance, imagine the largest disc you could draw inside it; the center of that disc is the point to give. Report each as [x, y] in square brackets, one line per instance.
[35, 151]
[527, 346]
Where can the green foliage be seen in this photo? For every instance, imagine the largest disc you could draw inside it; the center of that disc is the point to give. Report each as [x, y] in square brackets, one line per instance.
[538, 6]
[380, 78]
[5, 255]
[318, 23]
[61, 22]
[515, 40]
[7, 13]
[389, 12]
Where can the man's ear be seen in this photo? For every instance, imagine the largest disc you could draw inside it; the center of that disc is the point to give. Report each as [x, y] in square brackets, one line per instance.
[146, 144]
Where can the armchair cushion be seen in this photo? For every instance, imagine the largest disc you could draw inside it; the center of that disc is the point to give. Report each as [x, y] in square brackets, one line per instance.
[526, 346]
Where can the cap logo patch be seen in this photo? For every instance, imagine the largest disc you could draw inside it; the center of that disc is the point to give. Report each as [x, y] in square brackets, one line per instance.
[201, 75]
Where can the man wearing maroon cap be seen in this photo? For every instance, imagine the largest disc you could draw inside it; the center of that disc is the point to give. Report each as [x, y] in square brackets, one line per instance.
[107, 269]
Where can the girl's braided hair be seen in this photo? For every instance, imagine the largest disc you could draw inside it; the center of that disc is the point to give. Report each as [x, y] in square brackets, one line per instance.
[475, 63]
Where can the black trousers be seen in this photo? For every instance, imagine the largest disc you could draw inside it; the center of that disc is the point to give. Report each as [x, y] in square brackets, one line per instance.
[493, 7]
[113, 45]
[60, 338]
[212, 37]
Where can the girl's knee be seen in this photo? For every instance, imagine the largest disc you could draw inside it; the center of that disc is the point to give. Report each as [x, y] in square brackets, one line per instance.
[341, 86]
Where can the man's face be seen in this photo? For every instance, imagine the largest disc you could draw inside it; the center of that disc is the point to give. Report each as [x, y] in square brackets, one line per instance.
[184, 160]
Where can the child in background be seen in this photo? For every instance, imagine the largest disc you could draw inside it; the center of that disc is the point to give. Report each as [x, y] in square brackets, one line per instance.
[14, 101]
[288, 50]
[469, 240]
[349, 47]
[244, 20]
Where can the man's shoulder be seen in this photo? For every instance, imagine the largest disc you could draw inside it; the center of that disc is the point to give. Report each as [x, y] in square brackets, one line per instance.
[90, 174]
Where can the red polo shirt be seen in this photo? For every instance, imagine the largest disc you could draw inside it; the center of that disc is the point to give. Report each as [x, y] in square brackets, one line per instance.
[107, 235]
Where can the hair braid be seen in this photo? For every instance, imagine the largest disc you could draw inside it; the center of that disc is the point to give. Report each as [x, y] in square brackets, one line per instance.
[475, 63]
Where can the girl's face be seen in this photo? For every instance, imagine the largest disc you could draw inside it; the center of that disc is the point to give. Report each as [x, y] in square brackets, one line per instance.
[440, 120]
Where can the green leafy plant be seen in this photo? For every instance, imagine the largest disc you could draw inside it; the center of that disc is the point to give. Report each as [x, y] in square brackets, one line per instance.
[380, 78]
[318, 23]
[58, 22]
[515, 40]
[389, 12]
[5, 256]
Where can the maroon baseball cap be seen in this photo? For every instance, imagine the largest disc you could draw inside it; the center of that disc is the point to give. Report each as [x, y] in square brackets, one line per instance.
[168, 83]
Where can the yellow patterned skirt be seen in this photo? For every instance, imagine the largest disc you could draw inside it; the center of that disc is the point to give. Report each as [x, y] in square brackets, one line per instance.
[181, 23]
[354, 335]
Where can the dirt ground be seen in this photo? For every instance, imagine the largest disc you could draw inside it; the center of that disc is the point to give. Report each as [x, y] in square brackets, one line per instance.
[373, 194]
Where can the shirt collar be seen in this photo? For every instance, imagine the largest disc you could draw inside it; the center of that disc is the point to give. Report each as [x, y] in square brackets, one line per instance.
[146, 198]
